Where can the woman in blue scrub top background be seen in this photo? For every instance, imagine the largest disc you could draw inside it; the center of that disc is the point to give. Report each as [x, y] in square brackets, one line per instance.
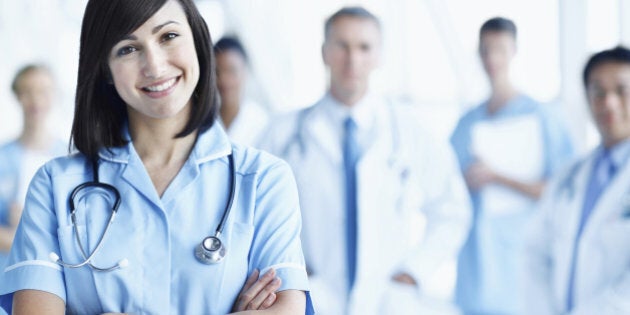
[145, 113]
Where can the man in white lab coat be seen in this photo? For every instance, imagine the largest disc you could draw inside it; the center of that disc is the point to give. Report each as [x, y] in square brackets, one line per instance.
[384, 206]
[579, 245]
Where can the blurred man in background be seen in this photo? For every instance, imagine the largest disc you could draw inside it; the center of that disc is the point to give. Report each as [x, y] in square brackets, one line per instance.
[578, 249]
[383, 204]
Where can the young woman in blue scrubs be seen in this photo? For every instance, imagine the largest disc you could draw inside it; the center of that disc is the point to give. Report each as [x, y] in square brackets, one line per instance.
[144, 124]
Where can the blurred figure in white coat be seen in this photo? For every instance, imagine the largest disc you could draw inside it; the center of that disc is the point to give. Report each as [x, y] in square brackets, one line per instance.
[243, 119]
[383, 204]
[578, 255]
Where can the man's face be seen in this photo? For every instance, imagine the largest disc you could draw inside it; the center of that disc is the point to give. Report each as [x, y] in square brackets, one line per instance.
[496, 50]
[352, 52]
[608, 92]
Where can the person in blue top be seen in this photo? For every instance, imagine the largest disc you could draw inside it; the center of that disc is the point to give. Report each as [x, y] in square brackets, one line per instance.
[157, 212]
[507, 148]
[34, 89]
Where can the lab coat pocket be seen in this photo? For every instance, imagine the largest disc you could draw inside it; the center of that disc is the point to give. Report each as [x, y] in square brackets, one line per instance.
[613, 238]
[400, 298]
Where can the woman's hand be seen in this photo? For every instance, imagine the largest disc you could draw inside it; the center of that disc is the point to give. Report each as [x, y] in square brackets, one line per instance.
[258, 294]
[479, 175]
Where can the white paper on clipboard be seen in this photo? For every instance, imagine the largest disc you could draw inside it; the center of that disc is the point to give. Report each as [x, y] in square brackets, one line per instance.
[512, 147]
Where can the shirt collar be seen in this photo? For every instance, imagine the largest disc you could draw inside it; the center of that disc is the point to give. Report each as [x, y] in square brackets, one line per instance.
[619, 153]
[362, 112]
[211, 144]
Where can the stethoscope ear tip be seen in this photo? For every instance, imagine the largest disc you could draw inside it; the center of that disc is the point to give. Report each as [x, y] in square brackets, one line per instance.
[123, 263]
[53, 257]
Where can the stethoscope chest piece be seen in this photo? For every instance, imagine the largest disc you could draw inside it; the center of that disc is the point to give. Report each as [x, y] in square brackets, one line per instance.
[210, 250]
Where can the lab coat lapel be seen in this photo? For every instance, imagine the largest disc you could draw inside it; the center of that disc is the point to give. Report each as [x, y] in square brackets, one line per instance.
[611, 201]
[570, 217]
[376, 193]
[321, 132]
[566, 217]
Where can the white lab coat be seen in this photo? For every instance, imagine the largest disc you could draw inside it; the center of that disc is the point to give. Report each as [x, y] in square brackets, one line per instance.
[413, 209]
[602, 274]
[249, 125]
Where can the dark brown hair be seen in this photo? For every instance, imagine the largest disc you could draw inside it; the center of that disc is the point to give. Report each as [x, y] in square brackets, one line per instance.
[100, 114]
[498, 24]
[619, 54]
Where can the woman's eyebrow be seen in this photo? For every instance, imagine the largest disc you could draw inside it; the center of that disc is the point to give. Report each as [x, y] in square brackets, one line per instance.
[159, 27]
[153, 31]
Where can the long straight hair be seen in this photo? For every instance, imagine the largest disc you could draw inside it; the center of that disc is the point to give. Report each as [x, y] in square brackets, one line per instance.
[100, 113]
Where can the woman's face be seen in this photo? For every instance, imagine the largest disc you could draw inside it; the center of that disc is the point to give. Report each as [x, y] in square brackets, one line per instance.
[35, 92]
[155, 69]
[497, 49]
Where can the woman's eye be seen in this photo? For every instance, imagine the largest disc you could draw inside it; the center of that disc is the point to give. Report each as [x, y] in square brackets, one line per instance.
[169, 36]
[125, 50]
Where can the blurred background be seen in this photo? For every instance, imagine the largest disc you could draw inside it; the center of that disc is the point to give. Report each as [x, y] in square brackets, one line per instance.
[430, 51]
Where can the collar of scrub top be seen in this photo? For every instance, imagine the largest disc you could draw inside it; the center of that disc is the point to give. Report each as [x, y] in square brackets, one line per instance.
[211, 144]
[517, 105]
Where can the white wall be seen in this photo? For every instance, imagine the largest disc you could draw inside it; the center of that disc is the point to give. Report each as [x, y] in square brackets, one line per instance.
[430, 53]
[40, 31]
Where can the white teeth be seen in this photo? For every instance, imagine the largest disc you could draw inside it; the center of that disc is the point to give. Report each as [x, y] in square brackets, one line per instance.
[161, 87]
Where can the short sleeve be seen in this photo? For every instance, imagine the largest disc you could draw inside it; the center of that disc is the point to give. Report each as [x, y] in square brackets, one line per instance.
[461, 141]
[28, 266]
[276, 242]
[559, 148]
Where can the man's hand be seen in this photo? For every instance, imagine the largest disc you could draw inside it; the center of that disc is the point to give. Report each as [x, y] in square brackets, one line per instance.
[404, 278]
[258, 294]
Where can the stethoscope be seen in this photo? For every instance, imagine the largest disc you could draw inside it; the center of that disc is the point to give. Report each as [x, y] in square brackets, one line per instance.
[299, 136]
[567, 184]
[395, 161]
[211, 250]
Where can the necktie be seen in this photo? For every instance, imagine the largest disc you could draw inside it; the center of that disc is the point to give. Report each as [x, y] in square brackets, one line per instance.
[350, 156]
[602, 174]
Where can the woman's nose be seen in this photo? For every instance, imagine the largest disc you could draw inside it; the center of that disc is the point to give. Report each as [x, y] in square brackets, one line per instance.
[154, 63]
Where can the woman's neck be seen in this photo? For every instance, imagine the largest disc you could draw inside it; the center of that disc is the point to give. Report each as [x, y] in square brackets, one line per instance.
[35, 137]
[162, 154]
[158, 145]
[502, 93]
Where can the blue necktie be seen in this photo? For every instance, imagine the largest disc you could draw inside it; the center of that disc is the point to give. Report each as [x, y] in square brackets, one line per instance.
[601, 175]
[350, 156]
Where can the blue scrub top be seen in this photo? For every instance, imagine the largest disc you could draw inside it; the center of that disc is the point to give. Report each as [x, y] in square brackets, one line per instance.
[157, 235]
[486, 265]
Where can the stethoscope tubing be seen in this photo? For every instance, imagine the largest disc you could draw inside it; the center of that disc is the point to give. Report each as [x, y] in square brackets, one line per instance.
[206, 259]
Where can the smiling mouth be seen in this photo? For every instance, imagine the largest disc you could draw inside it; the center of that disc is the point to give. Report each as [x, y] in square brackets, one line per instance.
[161, 87]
